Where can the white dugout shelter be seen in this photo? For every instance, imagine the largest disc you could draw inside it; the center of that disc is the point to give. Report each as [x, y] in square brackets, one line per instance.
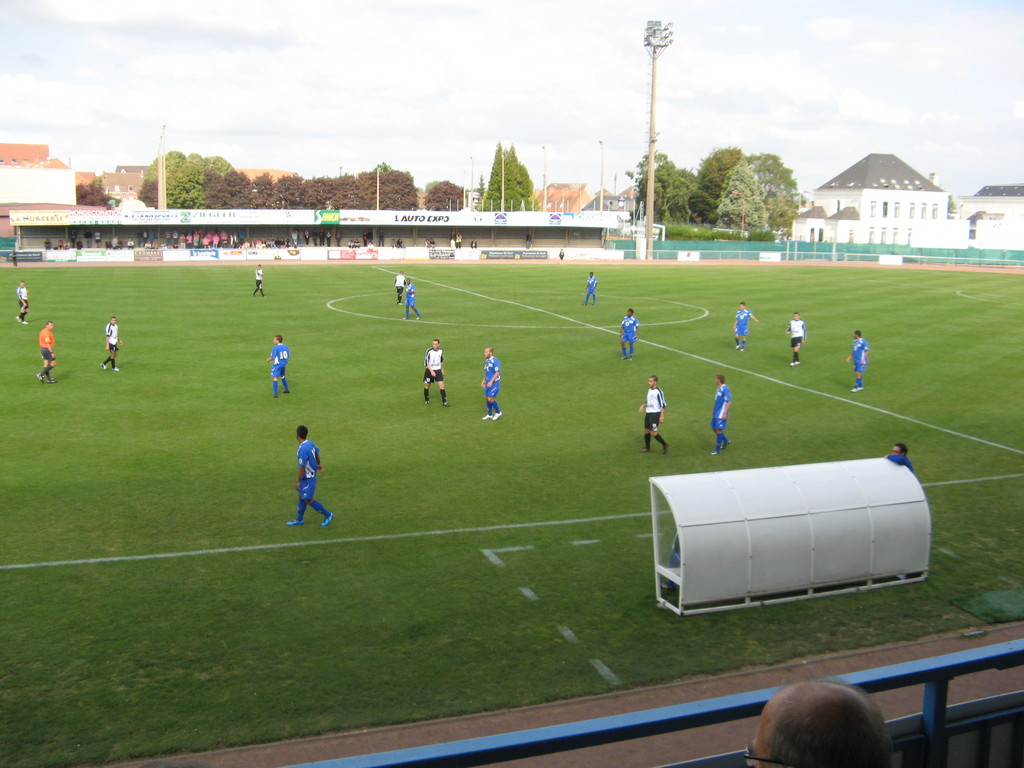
[736, 539]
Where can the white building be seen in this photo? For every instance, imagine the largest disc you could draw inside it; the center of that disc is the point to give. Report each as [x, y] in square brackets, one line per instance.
[996, 216]
[882, 200]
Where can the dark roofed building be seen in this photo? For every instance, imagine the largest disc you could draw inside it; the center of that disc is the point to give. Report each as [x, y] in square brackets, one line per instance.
[881, 200]
[881, 172]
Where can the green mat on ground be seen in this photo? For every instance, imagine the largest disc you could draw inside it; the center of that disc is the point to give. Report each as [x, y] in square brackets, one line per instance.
[994, 607]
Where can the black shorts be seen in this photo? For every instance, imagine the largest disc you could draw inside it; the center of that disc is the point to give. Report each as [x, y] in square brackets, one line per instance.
[428, 379]
[651, 421]
[22, 308]
[111, 347]
[796, 341]
[46, 354]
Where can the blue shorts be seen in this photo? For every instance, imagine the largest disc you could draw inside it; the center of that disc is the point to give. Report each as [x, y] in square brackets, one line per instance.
[410, 301]
[719, 424]
[741, 330]
[277, 371]
[629, 338]
[307, 488]
[493, 390]
[860, 367]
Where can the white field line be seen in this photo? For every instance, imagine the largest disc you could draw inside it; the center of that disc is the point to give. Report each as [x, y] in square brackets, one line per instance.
[604, 672]
[287, 544]
[971, 480]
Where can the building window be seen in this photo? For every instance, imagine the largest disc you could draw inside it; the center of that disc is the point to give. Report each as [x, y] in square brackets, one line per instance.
[851, 237]
[885, 210]
[874, 209]
[912, 210]
[895, 236]
[871, 234]
[895, 210]
[909, 233]
[882, 241]
[935, 210]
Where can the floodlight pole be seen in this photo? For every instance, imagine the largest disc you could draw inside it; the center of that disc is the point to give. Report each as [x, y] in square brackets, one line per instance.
[600, 193]
[656, 39]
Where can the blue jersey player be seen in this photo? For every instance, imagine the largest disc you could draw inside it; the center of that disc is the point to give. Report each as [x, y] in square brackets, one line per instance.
[740, 327]
[859, 355]
[491, 384]
[720, 414]
[279, 355]
[591, 290]
[410, 300]
[629, 333]
[309, 465]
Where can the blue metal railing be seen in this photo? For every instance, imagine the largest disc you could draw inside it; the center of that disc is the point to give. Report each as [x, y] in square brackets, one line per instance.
[934, 674]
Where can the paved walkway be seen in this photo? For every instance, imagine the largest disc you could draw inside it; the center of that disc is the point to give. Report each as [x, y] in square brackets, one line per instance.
[660, 750]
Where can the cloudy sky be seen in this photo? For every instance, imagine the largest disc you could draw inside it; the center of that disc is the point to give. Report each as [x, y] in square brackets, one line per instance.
[314, 86]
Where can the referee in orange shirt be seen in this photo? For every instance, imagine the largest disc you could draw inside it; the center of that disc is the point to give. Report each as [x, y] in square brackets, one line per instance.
[46, 352]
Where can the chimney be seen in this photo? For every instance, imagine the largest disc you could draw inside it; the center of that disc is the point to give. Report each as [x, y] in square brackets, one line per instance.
[933, 177]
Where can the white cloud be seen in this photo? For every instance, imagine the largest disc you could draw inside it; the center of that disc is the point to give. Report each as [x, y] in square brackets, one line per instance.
[854, 105]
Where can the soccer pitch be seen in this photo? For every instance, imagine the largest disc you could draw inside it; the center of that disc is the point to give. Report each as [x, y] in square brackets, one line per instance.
[155, 602]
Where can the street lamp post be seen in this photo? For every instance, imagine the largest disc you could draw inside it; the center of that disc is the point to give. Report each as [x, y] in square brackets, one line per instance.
[656, 39]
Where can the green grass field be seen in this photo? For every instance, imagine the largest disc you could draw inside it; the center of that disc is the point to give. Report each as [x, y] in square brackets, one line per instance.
[237, 629]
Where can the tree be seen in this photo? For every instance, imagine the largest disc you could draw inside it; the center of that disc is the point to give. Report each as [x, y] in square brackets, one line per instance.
[263, 195]
[288, 191]
[148, 194]
[672, 189]
[238, 189]
[742, 205]
[320, 193]
[91, 194]
[398, 191]
[186, 187]
[781, 196]
[215, 191]
[353, 194]
[517, 187]
[711, 181]
[444, 196]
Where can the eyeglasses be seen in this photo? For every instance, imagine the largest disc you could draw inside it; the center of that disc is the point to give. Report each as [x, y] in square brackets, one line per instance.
[752, 758]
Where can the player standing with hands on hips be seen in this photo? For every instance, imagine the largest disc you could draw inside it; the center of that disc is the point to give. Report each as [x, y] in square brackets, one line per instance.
[279, 356]
[491, 384]
[859, 355]
[797, 330]
[629, 333]
[309, 464]
[433, 370]
[720, 414]
[22, 292]
[654, 415]
[259, 280]
[112, 345]
[591, 290]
